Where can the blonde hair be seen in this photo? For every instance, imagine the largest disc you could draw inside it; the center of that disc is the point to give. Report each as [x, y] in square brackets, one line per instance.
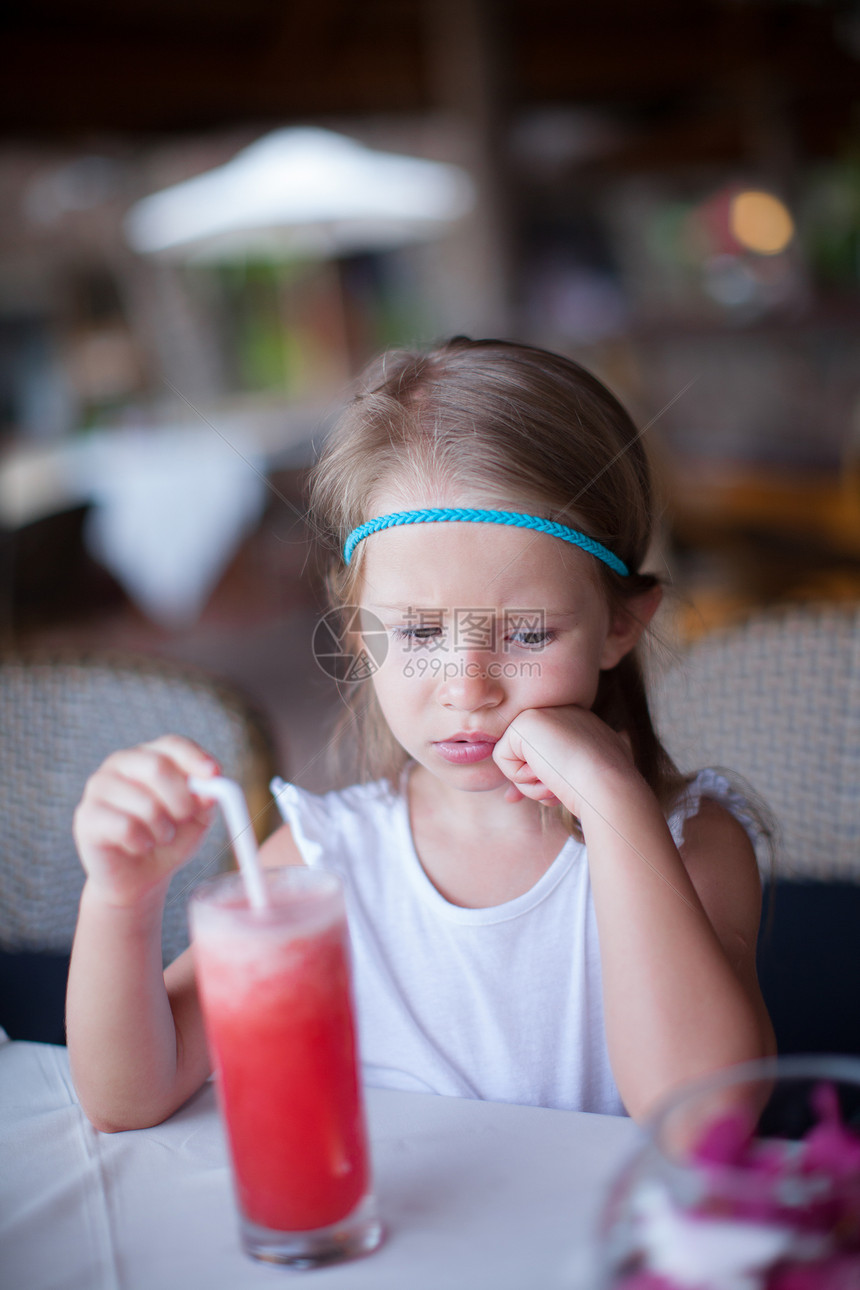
[501, 420]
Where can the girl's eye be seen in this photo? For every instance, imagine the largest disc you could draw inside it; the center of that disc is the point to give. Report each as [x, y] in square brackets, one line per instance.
[417, 634]
[531, 640]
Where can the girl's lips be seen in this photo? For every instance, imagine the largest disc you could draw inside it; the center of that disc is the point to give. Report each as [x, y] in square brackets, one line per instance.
[465, 750]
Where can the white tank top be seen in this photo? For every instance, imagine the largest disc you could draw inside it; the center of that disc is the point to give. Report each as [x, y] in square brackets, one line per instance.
[501, 1003]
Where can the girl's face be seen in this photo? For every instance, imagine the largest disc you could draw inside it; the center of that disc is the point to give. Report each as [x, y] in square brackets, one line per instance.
[483, 622]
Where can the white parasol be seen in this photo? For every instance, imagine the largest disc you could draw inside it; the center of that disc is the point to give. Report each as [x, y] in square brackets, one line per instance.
[301, 191]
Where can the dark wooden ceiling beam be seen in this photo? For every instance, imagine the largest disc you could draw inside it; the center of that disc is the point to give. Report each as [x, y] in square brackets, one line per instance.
[60, 86]
[73, 67]
[635, 51]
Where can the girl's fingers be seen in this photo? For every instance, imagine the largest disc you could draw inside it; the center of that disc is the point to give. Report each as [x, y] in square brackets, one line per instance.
[517, 770]
[191, 759]
[114, 829]
[547, 798]
[188, 756]
[524, 781]
[154, 769]
[134, 799]
[507, 759]
[139, 801]
[137, 821]
[539, 793]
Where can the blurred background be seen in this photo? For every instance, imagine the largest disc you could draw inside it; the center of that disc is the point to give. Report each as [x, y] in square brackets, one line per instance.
[211, 214]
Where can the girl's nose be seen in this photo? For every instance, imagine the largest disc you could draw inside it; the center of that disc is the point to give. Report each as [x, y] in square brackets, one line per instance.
[469, 682]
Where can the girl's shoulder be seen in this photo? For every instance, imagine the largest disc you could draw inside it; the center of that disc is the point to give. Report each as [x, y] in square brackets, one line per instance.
[713, 784]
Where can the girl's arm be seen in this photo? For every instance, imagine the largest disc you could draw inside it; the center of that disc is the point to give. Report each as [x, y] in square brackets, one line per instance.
[135, 1035]
[677, 932]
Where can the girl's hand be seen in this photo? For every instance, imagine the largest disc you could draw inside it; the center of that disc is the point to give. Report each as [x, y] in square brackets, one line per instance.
[137, 821]
[562, 756]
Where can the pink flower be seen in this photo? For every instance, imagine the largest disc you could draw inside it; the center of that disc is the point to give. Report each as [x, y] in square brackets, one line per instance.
[725, 1141]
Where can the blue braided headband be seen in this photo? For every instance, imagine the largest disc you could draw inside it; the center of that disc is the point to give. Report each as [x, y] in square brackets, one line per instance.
[439, 515]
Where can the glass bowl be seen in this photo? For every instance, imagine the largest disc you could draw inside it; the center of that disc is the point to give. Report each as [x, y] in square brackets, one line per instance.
[748, 1180]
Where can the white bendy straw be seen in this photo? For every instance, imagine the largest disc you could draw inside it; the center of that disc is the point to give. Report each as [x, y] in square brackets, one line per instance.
[229, 796]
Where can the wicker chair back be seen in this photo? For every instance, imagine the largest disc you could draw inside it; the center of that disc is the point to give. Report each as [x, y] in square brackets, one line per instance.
[60, 716]
[777, 700]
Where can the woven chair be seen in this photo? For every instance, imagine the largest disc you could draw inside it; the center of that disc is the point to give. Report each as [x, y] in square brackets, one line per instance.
[777, 700]
[60, 716]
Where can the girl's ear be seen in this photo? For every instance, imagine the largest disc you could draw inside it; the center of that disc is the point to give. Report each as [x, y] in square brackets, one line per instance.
[627, 625]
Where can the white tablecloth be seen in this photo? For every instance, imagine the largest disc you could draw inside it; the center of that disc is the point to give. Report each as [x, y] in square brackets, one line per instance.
[171, 502]
[171, 507]
[474, 1195]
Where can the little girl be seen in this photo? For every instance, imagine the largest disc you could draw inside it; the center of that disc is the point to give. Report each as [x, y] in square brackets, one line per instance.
[542, 909]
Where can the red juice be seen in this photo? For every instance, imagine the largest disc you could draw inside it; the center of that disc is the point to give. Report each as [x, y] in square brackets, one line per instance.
[277, 1006]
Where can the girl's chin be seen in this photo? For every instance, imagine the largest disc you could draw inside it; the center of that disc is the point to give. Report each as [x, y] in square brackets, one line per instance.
[478, 776]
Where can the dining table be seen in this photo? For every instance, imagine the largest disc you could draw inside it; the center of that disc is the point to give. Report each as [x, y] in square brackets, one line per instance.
[474, 1195]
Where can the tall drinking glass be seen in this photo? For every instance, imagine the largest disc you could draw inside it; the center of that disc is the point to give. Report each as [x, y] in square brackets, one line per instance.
[275, 991]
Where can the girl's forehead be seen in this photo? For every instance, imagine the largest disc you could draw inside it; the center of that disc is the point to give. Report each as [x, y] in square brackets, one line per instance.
[463, 563]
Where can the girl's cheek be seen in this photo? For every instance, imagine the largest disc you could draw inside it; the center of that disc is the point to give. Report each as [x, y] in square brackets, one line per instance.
[544, 675]
[552, 685]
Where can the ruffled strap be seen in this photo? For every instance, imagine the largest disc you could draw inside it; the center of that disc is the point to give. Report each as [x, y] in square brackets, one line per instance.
[717, 786]
[325, 825]
[307, 817]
